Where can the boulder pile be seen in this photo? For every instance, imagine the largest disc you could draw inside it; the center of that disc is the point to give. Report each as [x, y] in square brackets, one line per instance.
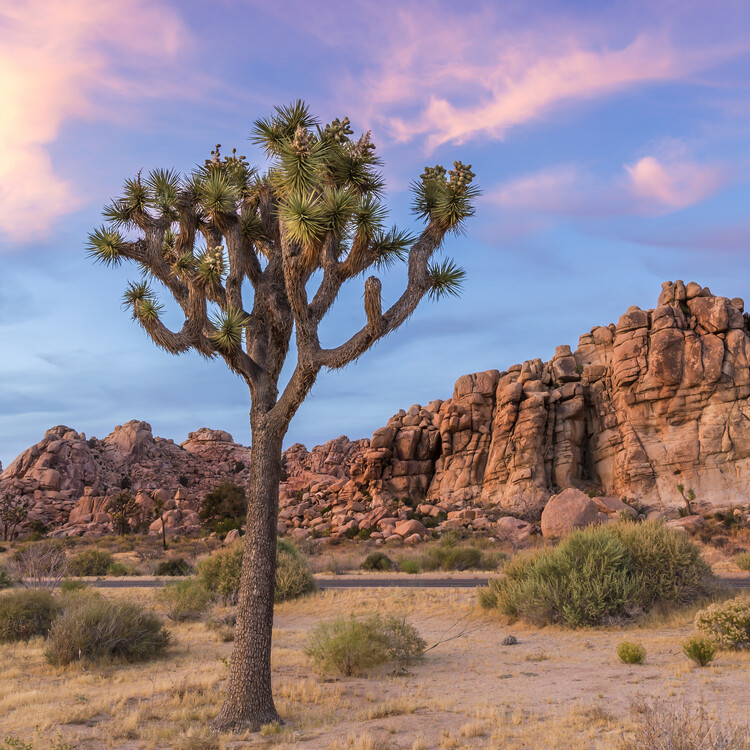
[658, 400]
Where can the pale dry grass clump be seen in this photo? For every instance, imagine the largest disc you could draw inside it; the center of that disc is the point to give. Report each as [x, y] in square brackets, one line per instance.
[681, 726]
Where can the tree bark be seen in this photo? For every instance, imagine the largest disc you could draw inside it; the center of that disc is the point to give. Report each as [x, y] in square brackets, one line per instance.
[249, 700]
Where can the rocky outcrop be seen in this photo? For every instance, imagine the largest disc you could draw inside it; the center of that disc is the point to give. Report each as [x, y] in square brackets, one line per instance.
[656, 400]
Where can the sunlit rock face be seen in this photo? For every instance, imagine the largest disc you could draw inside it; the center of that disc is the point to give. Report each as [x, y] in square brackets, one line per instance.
[657, 400]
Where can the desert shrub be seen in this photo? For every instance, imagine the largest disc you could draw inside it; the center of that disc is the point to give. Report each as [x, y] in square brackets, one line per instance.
[26, 613]
[410, 566]
[346, 645]
[72, 585]
[601, 575]
[6, 580]
[377, 561]
[94, 628]
[177, 566]
[90, 562]
[38, 565]
[220, 573]
[631, 653]
[742, 561]
[487, 596]
[227, 502]
[123, 569]
[403, 644]
[450, 554]
[668, 563]
[727, 623]
[293, 577]
[184, 600]
[350, 646]
[700, 650]
[659, 725]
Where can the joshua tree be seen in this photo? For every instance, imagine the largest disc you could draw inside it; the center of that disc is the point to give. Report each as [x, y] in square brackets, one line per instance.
[252, 259]
[121, 509]
[13, 511]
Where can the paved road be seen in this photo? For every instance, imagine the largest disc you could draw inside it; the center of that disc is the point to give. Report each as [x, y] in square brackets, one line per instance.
[362, 582]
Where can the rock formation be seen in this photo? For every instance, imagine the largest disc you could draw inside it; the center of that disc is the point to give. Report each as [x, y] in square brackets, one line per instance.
[657, 400]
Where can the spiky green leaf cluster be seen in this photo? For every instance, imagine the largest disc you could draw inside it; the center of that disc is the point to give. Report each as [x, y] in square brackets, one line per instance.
[368, 218]
[448, 202]
[271, 133]
[390, 247]
[217, 193]
[229, 325]
[445, 278]
[142, 301]
[304, 219]
[104, 246]
[185, 265]
[235, 171]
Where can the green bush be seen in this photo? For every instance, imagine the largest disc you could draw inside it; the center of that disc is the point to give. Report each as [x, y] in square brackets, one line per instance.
[6, 581]
[122, 569]
[72, 585]
[293, 577]
[727, 623]
[350, 646]
[600, 575]
[377, 561]
[184, 600]
[220, 573]
[450, 554]
[226, 502]
[93, 628]
[700, 650]
[410, 566]
[742, 561]
[631, 653]
[178, 566]
[91, 562]
[26, 613]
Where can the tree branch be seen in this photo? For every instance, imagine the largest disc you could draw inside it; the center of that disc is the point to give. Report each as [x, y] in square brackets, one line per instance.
[417, 286]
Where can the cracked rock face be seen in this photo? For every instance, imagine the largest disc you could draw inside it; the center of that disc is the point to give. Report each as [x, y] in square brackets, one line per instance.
[657, 400]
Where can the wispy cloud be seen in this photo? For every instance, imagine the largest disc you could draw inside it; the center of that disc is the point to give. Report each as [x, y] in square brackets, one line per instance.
[447, 77]
[654, 185]
[57, 61]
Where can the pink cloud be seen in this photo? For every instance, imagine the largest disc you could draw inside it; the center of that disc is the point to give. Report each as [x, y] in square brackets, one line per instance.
[662, 187]
[479, 75]
[650, 186]
[58, 60]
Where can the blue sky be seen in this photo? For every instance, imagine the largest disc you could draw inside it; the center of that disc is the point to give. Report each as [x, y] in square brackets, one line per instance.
[610, 139]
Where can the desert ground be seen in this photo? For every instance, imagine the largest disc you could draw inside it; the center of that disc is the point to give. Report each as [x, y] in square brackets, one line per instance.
[555, 688]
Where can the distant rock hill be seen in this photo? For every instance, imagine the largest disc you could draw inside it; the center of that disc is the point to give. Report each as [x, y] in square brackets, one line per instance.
[657, 400]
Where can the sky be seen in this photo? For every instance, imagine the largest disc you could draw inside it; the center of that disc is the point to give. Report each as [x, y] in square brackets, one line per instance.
[610, 140]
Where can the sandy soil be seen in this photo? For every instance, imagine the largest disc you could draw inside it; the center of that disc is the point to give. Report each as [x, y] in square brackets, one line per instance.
[555, 688]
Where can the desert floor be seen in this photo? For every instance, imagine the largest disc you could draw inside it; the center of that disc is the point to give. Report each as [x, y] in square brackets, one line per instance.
[555, 688]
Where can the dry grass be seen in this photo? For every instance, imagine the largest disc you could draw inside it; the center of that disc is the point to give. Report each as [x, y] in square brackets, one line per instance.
[556, 689]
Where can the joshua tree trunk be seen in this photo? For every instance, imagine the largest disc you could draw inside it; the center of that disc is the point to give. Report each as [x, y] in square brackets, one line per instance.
[249, 700]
